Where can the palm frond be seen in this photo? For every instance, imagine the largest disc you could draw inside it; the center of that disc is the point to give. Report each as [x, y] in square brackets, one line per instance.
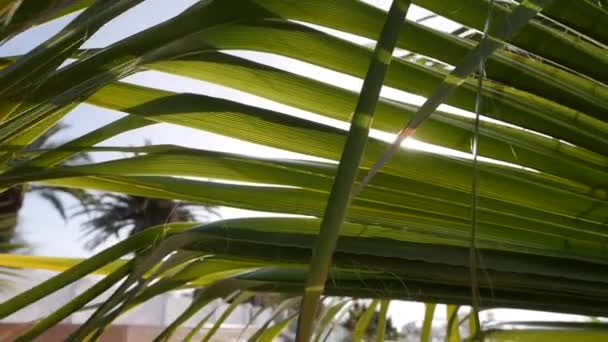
[543, 155]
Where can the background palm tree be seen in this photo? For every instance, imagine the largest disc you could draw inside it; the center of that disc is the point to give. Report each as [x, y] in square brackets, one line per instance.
[11, 199]
[112, 213]
[108, 213]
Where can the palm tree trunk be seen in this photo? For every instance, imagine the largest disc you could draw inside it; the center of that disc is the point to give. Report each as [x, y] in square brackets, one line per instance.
[11, 201]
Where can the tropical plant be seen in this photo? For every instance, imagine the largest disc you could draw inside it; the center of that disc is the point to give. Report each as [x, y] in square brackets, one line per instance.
[11, 200]
[514, 217]
[109, 214]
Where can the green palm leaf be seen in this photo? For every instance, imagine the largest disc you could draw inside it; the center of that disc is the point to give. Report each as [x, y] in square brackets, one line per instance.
[542, 201]
[429, 312]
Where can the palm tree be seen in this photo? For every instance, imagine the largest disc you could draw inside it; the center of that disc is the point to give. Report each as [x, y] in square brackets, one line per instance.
[512, 215]
[113, 213]
[11, 199]
[109, 214]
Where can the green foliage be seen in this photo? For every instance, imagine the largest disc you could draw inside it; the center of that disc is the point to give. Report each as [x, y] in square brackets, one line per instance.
[364, 321]
[452, 326]
[542, 201]
[429, 313]
[109, 214]
[11, 199]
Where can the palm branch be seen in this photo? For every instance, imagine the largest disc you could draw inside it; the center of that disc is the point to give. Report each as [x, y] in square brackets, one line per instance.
[406, 232]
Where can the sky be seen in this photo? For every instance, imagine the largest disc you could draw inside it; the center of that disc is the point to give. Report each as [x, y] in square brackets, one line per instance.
[48, 234]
